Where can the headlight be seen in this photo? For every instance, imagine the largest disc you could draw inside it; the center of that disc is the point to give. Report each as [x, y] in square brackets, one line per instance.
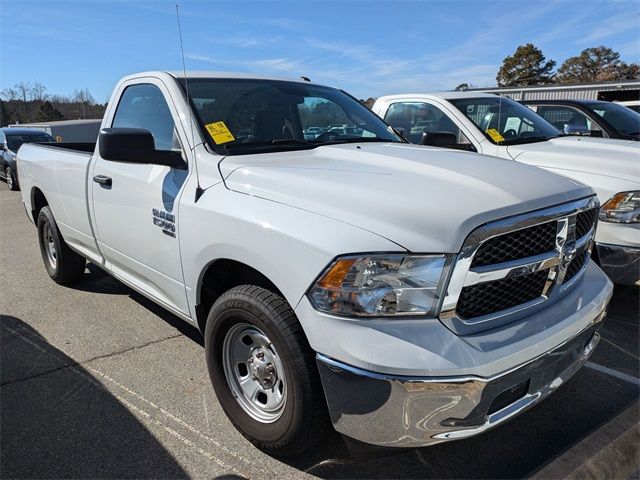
[381, 285]
[621, 208]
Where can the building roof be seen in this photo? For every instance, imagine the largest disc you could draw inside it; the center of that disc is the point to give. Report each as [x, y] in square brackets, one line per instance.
[615, 83]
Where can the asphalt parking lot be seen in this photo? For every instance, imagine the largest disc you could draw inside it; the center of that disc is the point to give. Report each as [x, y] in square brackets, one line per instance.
[96, 381]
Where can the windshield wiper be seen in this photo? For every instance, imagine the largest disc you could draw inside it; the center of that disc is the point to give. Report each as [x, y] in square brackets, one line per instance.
[269, 144]
[355, 140]
[519, 141]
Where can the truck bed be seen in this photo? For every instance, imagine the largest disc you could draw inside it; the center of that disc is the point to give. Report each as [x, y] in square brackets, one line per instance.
[60, 171]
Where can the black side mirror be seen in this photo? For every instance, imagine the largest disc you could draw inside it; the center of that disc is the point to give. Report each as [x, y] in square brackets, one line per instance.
[135, 145]
[439, 139]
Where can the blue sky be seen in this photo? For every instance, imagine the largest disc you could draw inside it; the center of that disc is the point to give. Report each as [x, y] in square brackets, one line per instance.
[368, 48]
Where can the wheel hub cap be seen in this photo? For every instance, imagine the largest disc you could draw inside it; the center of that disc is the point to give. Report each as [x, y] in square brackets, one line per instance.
[263, 370]
[254, 372]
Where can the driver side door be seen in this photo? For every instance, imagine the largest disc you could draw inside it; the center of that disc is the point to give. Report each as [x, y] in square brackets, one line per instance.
[135, 205]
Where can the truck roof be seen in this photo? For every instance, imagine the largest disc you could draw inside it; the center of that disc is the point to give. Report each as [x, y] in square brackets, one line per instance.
[212, 74]
[445, 95]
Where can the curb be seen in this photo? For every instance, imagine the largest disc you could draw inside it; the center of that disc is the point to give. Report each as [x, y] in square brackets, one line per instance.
[612, 451]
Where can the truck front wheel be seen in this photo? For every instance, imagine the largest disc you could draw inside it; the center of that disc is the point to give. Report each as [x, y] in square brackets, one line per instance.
[263, 371]
[63, 265]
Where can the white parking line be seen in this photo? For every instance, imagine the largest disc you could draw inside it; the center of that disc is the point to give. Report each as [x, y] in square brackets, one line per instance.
[613, 373]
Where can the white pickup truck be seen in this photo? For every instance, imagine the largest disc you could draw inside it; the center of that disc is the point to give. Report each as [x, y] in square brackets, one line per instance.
[409, 295]
[500, 126]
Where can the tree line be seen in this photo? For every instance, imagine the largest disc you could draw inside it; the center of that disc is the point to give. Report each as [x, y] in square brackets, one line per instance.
[27, 102]
[529, 66]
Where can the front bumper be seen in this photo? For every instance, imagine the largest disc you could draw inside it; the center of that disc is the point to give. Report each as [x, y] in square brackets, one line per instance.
[415, 412]
[395, 410]
[621, 263]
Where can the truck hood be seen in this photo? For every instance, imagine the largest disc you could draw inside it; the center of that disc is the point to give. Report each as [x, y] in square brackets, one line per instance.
[613, 158]
[424, 199]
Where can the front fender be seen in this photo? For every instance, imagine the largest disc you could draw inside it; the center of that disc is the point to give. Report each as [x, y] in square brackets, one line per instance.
[287, 245]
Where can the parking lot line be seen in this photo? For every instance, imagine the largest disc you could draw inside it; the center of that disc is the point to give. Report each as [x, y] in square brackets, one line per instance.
[613, 373]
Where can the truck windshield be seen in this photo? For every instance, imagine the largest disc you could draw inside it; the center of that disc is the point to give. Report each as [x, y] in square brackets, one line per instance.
[14, 142]
[504, 121]
[240, 116]
[623, 119]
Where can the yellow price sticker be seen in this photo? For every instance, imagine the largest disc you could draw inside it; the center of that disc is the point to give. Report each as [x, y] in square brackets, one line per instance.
[219, 132]
[495, 135]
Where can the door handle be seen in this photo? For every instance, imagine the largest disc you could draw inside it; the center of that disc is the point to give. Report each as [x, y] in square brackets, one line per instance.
[102, 180]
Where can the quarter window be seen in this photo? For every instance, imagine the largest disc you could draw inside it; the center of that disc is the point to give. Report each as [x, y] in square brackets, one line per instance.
[144, 106]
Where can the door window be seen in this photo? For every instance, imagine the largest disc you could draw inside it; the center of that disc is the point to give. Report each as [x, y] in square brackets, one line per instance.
[561, 117]
[416, 118]
[144, 106]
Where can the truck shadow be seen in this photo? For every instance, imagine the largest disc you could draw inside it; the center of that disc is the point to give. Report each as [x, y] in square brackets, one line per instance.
[96, 280]
[58, 421]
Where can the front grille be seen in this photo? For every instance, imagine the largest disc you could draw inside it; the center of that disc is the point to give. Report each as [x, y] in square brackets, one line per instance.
[517, 244]
[575, 266]
[490, 297]
[584, 222]
[503, 266]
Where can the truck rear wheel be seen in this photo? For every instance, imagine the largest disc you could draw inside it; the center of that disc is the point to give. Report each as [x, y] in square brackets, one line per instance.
[263, 371]
[63, 265]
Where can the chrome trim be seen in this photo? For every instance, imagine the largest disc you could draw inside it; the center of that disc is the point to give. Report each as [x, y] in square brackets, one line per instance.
[513, 268]
[401, 411]
[556, 261]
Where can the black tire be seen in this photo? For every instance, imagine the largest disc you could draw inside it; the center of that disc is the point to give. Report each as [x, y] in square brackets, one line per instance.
[304, 419]
[67, 266]
[10, 178]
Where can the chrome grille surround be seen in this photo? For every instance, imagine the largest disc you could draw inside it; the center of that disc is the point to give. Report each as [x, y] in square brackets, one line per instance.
[556, 262]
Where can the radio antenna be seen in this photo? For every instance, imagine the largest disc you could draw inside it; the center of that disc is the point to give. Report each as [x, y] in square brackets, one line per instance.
[199, 190]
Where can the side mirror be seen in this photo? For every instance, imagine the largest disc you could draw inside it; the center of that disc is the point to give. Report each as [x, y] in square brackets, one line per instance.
[439, 139]
[575, 129]
[135, 145]
[3, 146]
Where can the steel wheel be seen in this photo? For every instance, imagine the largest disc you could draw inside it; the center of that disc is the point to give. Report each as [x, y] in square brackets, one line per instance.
[49, 245]
[254, 372]
[9, 177]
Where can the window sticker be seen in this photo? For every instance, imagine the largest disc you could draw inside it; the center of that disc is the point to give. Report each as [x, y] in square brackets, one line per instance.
[219, 132]
[495, 135]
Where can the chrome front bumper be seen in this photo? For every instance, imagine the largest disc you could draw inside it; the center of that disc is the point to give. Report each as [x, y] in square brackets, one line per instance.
[620, 263]
[395, 411]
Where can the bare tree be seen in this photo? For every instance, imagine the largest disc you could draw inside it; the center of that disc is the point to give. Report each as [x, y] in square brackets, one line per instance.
[24, 90]
[9, 94]
[83, 97]
[37, 92]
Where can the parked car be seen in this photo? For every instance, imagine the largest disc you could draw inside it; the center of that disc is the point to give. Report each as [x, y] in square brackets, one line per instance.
[312, 132]
[77, 131]
[632, 104]
[500, 126]
[11, 139]
[589, 117]
[409, 296]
